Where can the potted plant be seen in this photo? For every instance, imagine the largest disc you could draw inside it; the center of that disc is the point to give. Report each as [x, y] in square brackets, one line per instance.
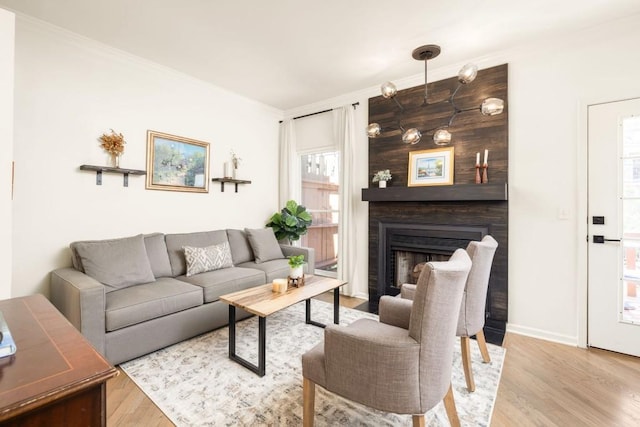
[291, 222]
[381, 177]
[296, 263]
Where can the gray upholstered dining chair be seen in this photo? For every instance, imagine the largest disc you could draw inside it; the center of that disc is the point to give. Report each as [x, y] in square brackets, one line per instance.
[472, 309]
[403, 368]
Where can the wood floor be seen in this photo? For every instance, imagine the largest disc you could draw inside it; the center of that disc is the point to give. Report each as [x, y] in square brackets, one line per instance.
[542, 384]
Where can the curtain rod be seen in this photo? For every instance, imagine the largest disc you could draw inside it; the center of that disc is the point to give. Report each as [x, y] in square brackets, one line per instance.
[354, 105]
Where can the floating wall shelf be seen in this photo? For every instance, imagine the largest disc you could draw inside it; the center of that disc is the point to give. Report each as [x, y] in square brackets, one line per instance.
[440, 193]
[125, 172]
[230, 180]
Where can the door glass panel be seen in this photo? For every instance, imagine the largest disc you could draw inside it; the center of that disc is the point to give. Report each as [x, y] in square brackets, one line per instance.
[630, 220]
[320, 195]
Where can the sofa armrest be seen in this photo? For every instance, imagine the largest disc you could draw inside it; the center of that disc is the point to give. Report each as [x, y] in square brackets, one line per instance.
[309, 256]
[81, 299]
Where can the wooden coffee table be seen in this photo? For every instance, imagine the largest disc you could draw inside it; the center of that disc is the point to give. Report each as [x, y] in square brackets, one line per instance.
[262, 302]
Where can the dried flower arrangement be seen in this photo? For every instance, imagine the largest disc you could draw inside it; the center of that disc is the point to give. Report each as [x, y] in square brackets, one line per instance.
[112, 143]
[235, 159]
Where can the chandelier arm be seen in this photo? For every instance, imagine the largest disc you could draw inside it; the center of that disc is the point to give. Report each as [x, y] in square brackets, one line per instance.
[453, 116]
[398, 104]
[452, 100]
[458, 111]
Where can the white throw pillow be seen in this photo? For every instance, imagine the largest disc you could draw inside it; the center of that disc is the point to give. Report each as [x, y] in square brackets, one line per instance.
[200, 260]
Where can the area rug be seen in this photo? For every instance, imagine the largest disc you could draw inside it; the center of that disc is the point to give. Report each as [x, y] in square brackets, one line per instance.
[195, 384]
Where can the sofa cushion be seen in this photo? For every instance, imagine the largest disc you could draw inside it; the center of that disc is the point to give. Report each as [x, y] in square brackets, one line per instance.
[264, 244]
[274, 269]
[225, 281]
[136, 304]
[201, 260]
[240, 247]
[116, 263]
[175, 243]
[157, 254]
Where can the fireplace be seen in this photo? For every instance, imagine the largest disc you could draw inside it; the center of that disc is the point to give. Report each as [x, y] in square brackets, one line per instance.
[402, 247]
[409, 224]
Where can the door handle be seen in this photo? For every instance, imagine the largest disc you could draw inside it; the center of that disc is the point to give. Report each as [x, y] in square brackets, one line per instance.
[601, 239]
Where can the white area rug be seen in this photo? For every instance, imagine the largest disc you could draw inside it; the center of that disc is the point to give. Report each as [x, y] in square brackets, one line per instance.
[195, 384]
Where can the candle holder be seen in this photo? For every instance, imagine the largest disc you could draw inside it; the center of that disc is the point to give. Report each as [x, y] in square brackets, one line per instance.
[485, 177]
[478, 179]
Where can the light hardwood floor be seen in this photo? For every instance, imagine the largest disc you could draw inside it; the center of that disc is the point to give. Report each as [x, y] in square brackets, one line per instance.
[542, 384]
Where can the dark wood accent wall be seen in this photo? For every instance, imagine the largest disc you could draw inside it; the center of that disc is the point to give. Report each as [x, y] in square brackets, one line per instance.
[471, 133]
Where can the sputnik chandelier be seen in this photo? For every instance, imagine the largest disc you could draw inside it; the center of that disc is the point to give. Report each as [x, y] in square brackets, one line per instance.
[441, 135]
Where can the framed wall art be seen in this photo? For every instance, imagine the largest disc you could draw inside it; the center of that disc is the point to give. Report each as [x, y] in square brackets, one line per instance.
[431, 167]
[175, 163]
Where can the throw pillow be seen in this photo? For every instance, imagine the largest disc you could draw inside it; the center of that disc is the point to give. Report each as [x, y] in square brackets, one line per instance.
[117, 263]
[240, 248]
[201, 260]
[157, 254]
[264, 244]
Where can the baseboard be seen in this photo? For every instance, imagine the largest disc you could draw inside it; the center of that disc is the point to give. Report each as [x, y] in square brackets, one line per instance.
[542, 334]
[364, 296]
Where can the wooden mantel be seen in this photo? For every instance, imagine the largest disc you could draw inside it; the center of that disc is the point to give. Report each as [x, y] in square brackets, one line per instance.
[441, 193]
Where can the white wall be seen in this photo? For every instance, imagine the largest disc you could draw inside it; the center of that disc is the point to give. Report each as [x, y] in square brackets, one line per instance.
[548, 85]
[70, 90]
[7, 35]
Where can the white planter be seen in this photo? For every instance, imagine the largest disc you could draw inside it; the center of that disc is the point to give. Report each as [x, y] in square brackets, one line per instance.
[295, 272]
[382, 184]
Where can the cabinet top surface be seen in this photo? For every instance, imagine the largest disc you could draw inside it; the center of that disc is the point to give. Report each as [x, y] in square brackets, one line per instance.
[52, 359]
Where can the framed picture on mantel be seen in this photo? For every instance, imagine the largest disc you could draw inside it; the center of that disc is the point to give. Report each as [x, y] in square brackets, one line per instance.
[175, 163]
[431, 167]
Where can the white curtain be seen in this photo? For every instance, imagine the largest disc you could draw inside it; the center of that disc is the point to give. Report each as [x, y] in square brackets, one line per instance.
[289, 185]
[344, 120]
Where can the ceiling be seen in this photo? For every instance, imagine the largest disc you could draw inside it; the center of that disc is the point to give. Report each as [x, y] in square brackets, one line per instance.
[290, 53]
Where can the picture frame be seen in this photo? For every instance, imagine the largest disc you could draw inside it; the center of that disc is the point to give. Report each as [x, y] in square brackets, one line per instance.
[431, 167]
[175, 163]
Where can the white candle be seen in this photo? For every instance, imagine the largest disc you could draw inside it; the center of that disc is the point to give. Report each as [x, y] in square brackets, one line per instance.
[280, 285]
[477, 158]
[486, 156]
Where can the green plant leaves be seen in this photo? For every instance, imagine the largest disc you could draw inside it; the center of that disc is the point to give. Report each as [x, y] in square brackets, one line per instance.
[296, 261]
[291, 222]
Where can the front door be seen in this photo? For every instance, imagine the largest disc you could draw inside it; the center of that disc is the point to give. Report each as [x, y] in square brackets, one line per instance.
[614, 226]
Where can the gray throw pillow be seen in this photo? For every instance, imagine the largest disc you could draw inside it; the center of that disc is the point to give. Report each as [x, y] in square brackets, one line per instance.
[264, 244]
[157, 254]
[240, 248]
[117, 263]
[201, 260]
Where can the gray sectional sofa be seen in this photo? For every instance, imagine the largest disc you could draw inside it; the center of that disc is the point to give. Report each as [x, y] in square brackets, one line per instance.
[135, 295]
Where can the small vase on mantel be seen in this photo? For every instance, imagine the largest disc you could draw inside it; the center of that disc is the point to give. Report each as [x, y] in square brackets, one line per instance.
[382, 184]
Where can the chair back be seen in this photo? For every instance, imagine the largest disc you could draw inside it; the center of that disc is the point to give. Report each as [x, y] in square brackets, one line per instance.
[474, 299]
[434, 316]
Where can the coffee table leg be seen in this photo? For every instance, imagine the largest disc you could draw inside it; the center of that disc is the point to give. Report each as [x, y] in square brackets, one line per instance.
[232, 331]
[336, 306]
[262, 344]
[336, 310]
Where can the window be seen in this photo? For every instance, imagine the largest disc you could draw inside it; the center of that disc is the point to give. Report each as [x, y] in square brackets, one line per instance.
[320, 194]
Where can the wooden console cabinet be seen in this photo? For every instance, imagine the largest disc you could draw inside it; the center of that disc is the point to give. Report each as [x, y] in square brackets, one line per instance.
[56, 377]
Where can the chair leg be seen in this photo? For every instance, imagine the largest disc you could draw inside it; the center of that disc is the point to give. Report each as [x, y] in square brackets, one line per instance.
[450, 406]
[483, 346]
[466, 363]
[308, 402]
[418, 420]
